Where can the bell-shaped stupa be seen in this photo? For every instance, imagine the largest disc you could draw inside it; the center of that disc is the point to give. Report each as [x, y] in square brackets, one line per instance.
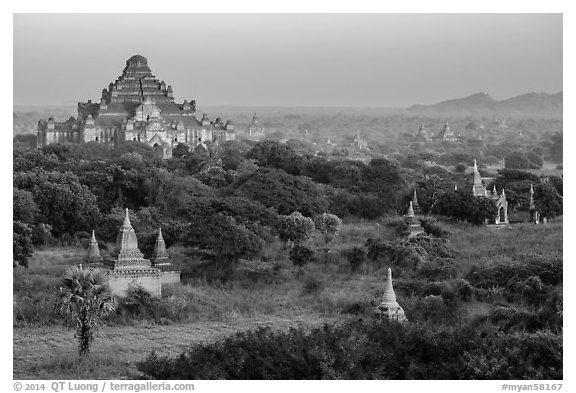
[389, 307]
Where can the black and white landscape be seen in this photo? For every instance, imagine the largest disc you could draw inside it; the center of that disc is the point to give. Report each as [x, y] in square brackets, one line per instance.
[288, 196]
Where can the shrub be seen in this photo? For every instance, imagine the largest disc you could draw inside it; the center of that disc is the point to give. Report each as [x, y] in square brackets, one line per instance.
[370, 349]
[431, 227]
[300, 255]
[460, 167]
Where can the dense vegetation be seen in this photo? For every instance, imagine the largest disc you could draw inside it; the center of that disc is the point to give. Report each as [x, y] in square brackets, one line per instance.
[270, 228]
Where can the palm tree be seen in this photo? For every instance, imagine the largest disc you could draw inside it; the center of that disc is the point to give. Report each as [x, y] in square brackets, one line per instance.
[84, 299]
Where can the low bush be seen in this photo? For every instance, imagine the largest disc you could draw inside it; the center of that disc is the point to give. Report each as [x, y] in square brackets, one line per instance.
[431, 227]
[367, 349]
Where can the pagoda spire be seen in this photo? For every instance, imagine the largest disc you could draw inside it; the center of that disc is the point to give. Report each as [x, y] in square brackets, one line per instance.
[532, 205]
[389, 296]
[127, 219]
[455, 187]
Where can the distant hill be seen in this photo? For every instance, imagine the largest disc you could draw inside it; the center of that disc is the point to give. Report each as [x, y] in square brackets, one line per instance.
[531, 104]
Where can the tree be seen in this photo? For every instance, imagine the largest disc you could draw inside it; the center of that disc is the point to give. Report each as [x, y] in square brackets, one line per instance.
[24, 207]
[517, 160]
[84, 299]
[181, 150]
[464, 206]
[21, 243]
[63, 202]
[328, 225]
[276, 155]
[221, 238]
[286, 193]
[535, 160]
[548, 201]
[295, 228]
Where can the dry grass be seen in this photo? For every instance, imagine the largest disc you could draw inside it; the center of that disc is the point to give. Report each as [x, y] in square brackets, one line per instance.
[51, 353]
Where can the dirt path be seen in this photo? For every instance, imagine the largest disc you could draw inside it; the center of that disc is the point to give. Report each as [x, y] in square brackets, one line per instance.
[51, 352]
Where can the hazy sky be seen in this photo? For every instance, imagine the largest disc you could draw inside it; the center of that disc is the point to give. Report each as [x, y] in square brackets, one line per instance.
[290, 59]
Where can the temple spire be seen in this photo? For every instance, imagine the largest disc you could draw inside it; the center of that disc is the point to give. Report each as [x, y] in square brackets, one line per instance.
[389, 296]
[127, 219]
[532, 205]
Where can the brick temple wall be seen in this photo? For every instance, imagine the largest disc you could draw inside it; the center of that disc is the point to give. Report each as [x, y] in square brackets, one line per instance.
[121, 282]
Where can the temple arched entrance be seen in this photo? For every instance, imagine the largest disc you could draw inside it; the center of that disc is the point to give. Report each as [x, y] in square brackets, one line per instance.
[158, 150]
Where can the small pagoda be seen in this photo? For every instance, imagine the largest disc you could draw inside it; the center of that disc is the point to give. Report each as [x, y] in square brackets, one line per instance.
[161, 260]
[389, 307]
[127, 265]
[415, 204]
[446, 134]
[422, 134]
[414, 226]
[93, 257]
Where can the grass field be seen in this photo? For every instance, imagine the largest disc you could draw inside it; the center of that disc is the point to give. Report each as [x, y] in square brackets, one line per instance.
[270, 292]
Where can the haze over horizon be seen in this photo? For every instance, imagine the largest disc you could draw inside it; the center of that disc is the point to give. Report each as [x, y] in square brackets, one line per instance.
[372, 60]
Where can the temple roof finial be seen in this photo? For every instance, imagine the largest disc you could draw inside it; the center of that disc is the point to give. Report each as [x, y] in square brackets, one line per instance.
[127, 219]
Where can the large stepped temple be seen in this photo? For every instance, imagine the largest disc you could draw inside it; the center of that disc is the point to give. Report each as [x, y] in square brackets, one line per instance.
[137, 107]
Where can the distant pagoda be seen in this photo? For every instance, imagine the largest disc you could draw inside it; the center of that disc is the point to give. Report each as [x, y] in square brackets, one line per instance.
[389, 307]
[161, 260]
[413, 223]
[93, 256]
[446, 134]
[422, 134]
[415, 203]
[255, 128]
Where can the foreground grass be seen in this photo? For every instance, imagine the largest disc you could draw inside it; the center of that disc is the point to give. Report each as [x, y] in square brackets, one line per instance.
[51, 353]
